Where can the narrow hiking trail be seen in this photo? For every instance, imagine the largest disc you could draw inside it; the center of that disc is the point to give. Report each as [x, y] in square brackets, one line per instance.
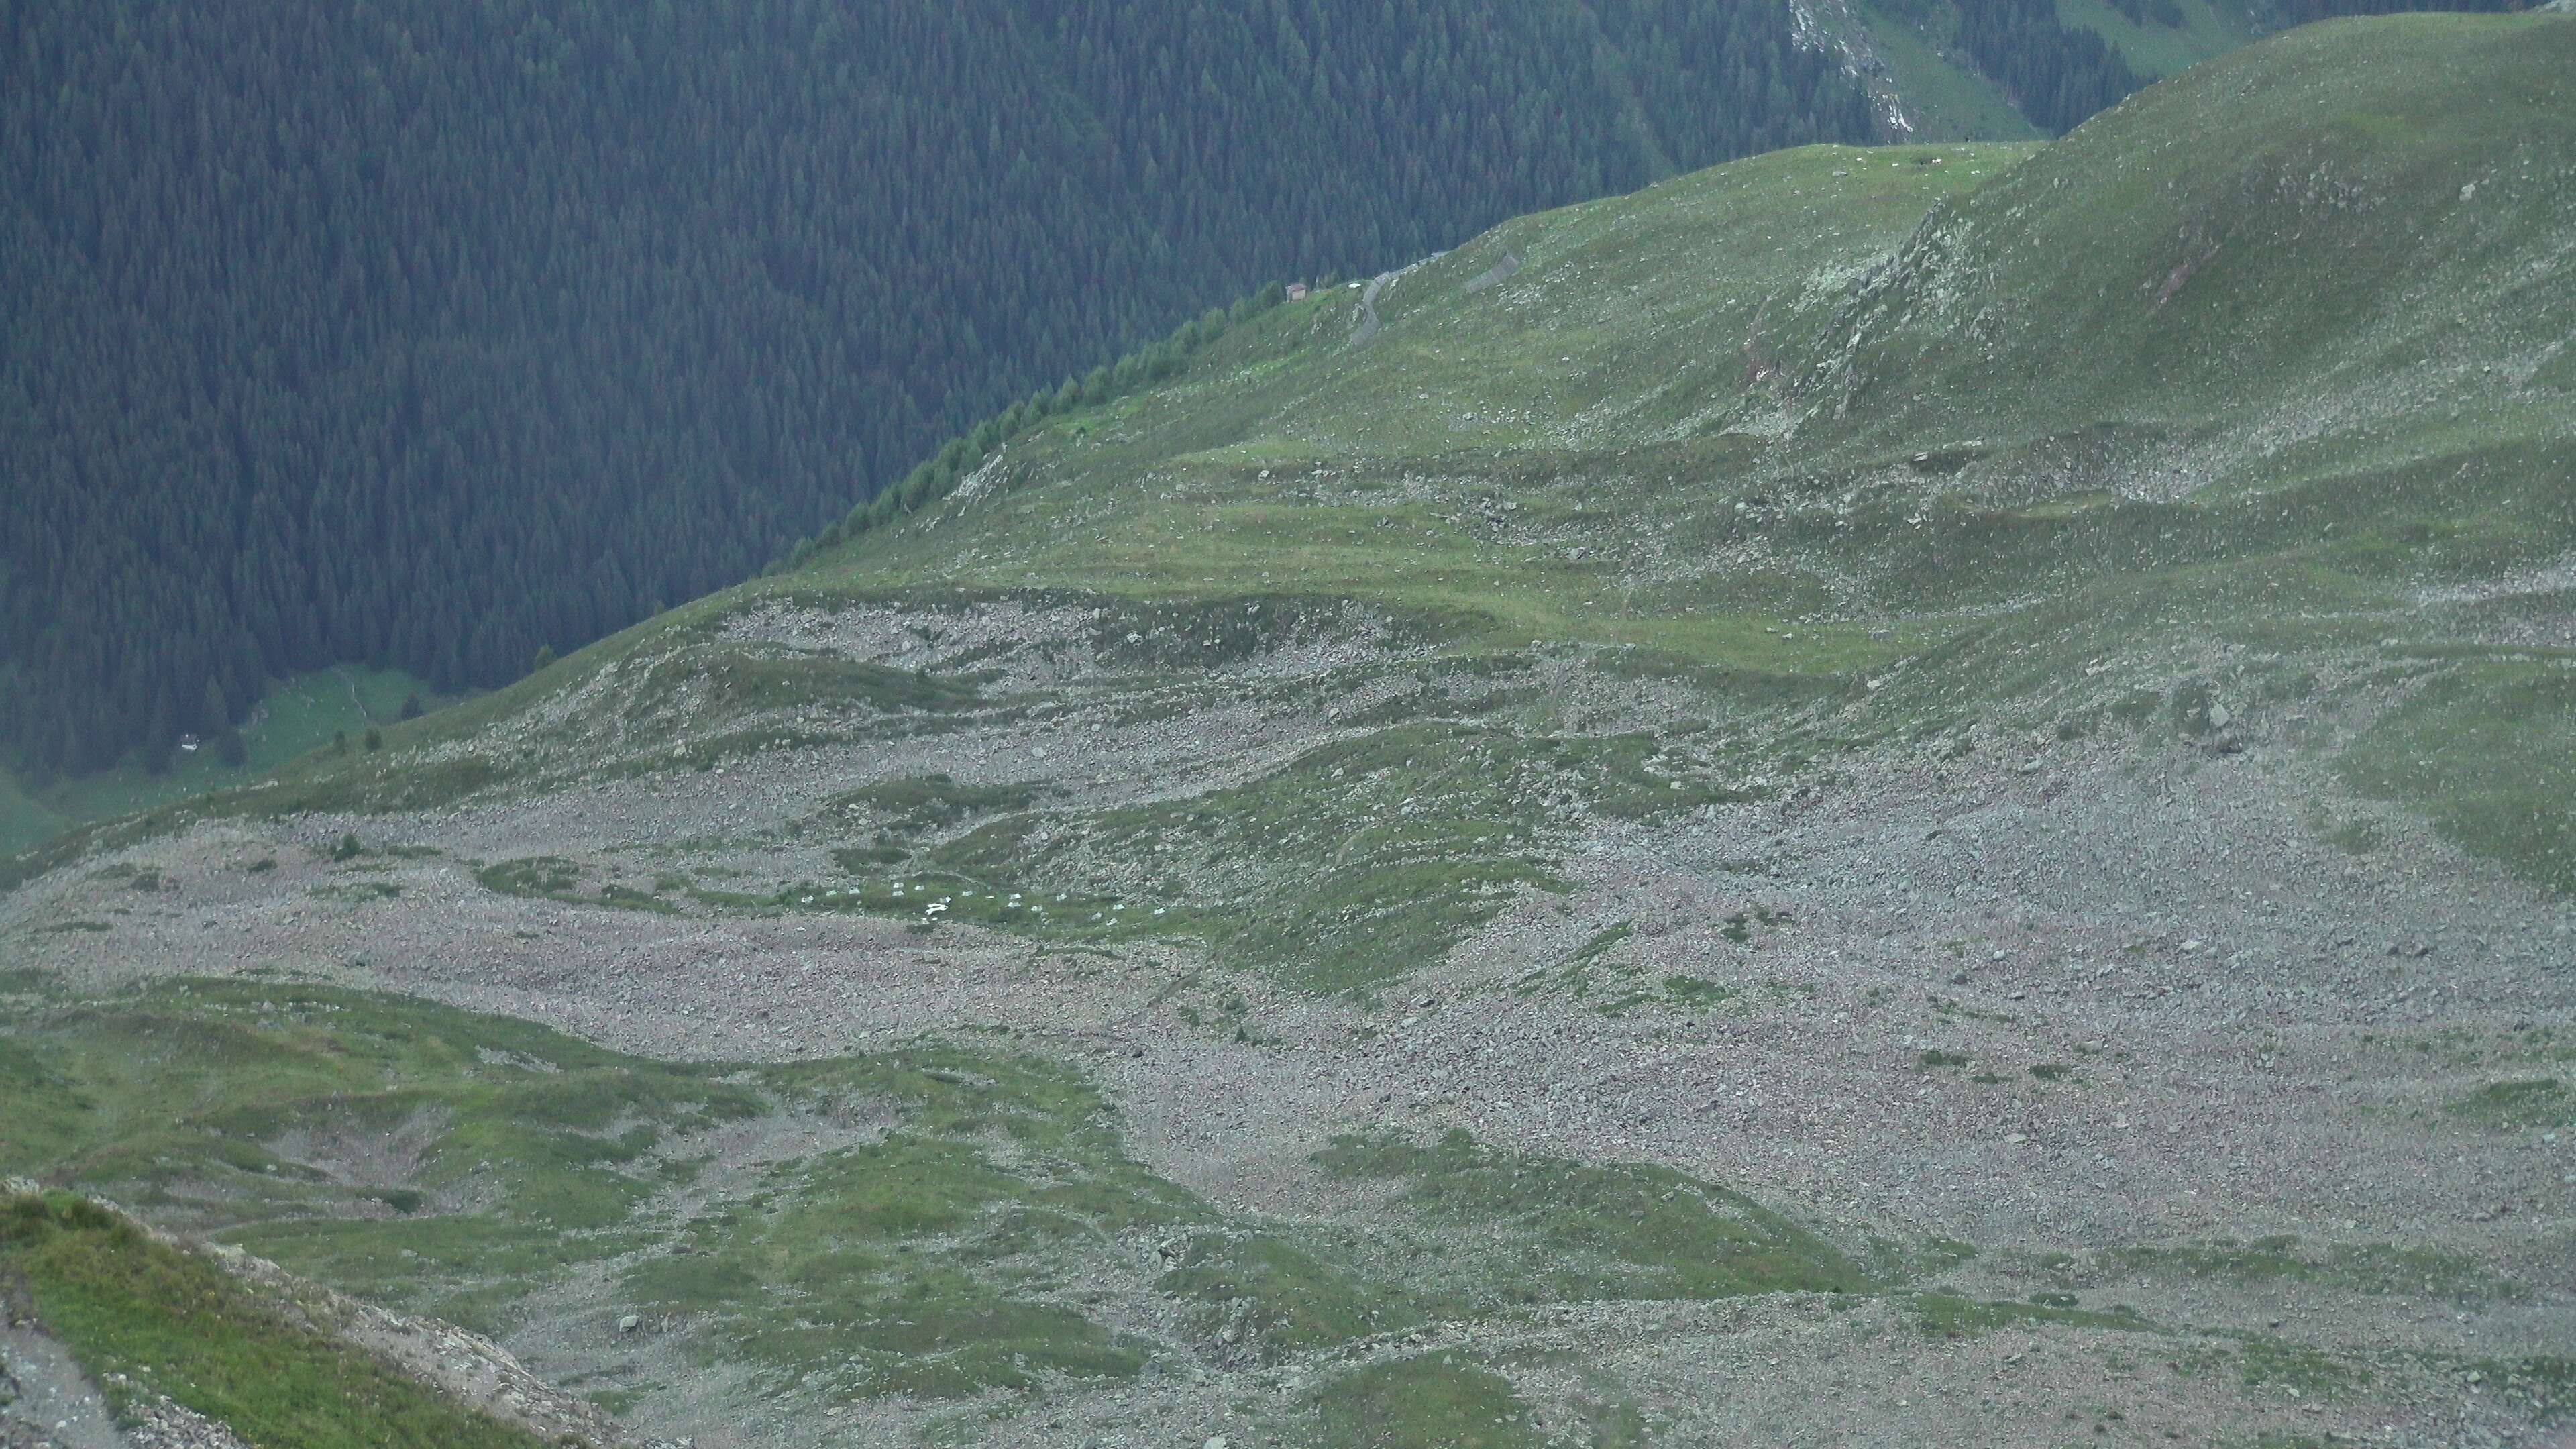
[1370, 323]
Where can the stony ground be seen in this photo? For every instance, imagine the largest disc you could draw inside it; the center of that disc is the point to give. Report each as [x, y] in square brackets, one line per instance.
[46, 1402]
[2239, 1030]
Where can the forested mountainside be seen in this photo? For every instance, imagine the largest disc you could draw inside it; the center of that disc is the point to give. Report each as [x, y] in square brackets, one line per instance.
[429, 334]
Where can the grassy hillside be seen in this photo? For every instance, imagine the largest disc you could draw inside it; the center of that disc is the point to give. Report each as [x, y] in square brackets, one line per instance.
[1938, 98]
[1891, 778]
[150, 1321]
[2154, 49]
[24, 820]
[2369, 258]
[524, 445]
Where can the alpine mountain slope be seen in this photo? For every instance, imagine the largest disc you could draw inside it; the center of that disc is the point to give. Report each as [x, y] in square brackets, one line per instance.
[1876, 796]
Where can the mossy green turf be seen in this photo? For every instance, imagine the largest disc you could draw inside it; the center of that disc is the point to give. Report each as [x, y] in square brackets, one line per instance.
[2488, 749]
[2521, 1104]
[1334, 869]
[443, 1160]
[148, 1320]
[1283, 1297]
[1628, 319]
[1583, 1230]
[2375, 1268]
[1433, 1401]
[921, 1264]
[533, 1153]
[2340, 250]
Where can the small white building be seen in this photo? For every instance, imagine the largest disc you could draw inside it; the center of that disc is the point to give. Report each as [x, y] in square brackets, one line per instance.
[1296, 291]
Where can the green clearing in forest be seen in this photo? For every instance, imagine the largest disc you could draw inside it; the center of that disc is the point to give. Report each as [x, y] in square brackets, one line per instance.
[296, 716]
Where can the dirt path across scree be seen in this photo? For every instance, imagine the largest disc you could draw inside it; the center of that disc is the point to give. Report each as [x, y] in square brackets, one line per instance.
[1369, 321]
[54, 1401]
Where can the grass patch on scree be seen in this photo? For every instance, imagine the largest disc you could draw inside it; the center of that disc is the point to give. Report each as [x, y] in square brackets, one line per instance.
[1435, 1401]
[1567, 1230]
[2488, 752]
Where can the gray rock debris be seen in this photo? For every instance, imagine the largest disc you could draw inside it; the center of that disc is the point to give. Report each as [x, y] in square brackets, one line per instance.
[46, 1401]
